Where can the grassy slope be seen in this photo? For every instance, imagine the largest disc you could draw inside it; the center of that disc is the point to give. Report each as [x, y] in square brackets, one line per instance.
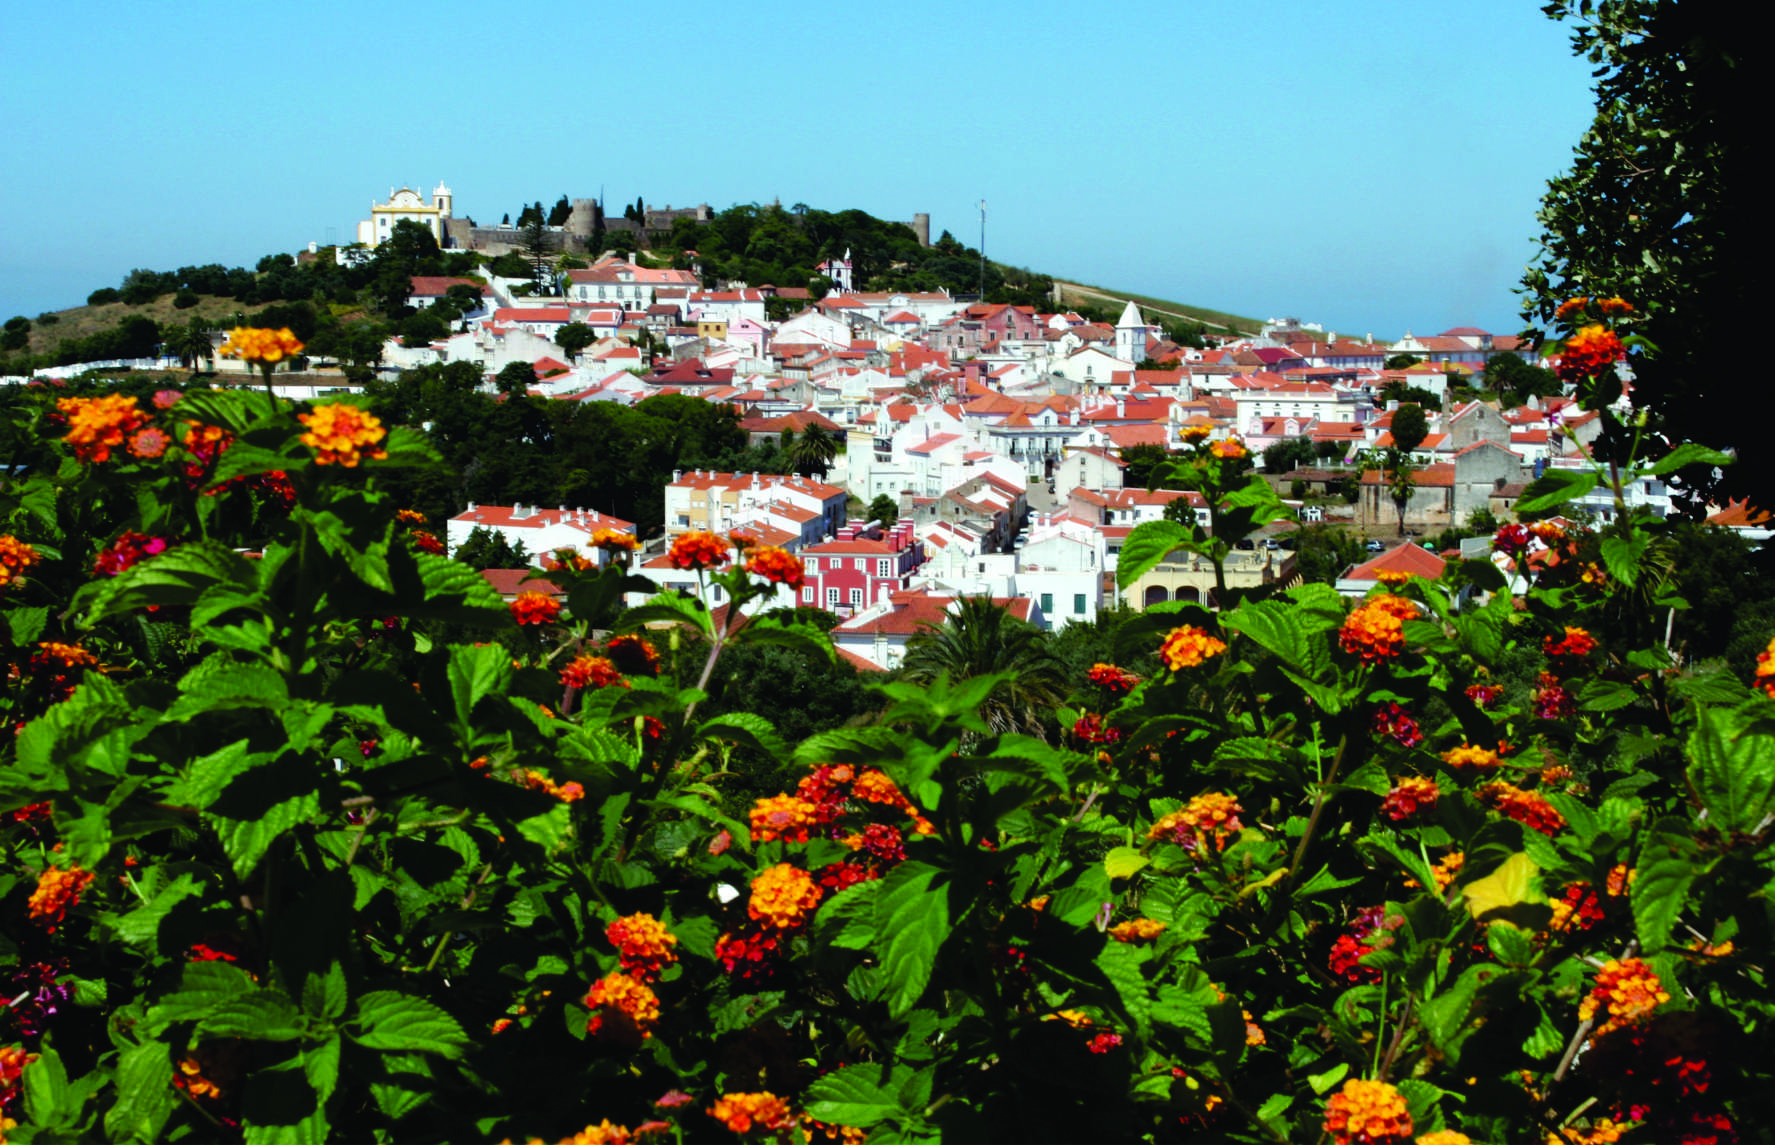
[1213, 319]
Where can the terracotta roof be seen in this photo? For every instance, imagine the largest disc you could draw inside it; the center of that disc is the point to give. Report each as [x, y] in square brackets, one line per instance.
[1405, 557]
[510, 582]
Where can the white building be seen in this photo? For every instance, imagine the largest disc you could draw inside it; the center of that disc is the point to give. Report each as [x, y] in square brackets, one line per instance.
[406, 203]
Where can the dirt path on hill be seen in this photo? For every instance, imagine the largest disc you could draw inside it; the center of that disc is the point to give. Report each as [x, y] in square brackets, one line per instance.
[1086, 291]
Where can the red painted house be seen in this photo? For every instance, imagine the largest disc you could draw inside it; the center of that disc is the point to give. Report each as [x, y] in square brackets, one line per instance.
[859, 567]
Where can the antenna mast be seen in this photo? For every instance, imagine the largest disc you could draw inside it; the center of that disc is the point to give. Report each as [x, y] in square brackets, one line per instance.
[982, 250]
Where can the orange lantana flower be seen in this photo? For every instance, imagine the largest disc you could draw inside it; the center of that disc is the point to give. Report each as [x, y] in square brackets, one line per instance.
[98, 425]
[1627, 991]
[342, 435]
[741, 1111]
[1188, 647]
[698, 550]
[1376, 630]
[536, 608]
[259, 344]
[776, 565]
[58, 891]
[1369, 1112]
[644, 945]
[623, 1009]
[783, 897]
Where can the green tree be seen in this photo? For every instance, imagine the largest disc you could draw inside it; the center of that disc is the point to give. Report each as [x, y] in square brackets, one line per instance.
[1322, 552]
[1289, 453]
[1514, 381]
[1410, 427]
[980, 638]
[559, 213]
[17, 333]
[191, 342]
[1401, 483]
[422, 329]
[575, 336]
[884, 509]
[539, 248]
[488, 549]
[1401, 362]
[813, 451]
[1658, 209]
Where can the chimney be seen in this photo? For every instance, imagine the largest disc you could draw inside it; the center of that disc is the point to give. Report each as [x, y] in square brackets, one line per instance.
[677, 475]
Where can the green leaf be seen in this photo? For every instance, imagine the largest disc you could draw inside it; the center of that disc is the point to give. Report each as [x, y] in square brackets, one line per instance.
[46, 1091]
[178, 576]
[449, 590]
[1554, 488]
[1121, 964]
[246, 840]
[798, 635]
[395, 1022]
[670, 608]
[320, 1062]
[1124, 862]
[263, 1015]
[1659, 893]
[145, 1093]
[323, 995]
[476, 673]
[1147, 545]
[852, 1096]
[1322, 1082]
[912, 921]
[1445, 1015]
[1732, 769]
[1623, 554]
[203, 986]
[141, 927]
[1688, 453]
[222, 682]
[749, 730]
[847, 919]
[26, 624]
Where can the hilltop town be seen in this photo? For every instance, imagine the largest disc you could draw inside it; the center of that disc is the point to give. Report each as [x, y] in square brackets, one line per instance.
[965, 447]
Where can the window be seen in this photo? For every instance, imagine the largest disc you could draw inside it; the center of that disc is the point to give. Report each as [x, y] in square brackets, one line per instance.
[884, 567]
[1047, 602]
[862, 564]
[812, 565]
[834, 563]
[807, 594]
[831, 596]
[856, 596]
[1078, 604]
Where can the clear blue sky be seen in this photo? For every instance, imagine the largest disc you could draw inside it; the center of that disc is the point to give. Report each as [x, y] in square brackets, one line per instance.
[1373, 165]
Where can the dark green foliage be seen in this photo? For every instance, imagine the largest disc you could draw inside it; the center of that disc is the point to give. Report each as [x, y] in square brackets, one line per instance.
[1323, 552]
[103, 295]
[488, 549]
[574, 337]
[423, 328]
[884, 509]
[1397, 391]
[981, 638]
[1401, 362]
[1409, 427]
[1660, 208]
[1289, 453]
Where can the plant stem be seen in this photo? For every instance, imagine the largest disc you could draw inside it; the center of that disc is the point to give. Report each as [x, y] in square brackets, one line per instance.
[1571, 1049]
[1398, 1039]
[358, 839]
[468, 900]
[1319, 800]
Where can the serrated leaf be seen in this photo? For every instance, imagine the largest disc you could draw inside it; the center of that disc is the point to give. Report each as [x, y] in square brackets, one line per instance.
[145, 1093]
[1322, 1082]
[324, 995]
[749, 729]
[263, 1015]
[1732, 768]
[222, 682]
[447, 590]
[798, 635]
[847, 919]
[852, 1096]
[178, 576]
[1120, 963]
[1659, 893]
[1124, 862]
[394, 1022]
[45, 1083]
[1150, 543]
[911, 922]
[1554, 488]
[1512, 884]
[140, 927]
[246, 840]
[202, 987]
[320, 1062]
[1623, 555]
[1688, 453]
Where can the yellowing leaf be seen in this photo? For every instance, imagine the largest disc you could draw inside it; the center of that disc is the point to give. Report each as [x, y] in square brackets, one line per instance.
[1511, 885]
[1124, 862]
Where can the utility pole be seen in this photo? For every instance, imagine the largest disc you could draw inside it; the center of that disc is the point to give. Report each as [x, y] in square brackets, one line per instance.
[982, 250]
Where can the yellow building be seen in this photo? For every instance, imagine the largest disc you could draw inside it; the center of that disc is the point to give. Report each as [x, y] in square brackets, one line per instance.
[406, 203]
[1183, 575]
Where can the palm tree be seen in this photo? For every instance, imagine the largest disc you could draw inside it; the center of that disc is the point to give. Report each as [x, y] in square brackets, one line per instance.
[191, 343]
[980, 638]
[811, 454]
